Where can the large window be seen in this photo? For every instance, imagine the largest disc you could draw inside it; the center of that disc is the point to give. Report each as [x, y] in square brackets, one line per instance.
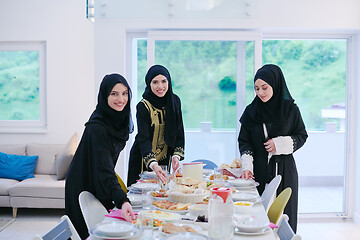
[206, 72]
[22, 81]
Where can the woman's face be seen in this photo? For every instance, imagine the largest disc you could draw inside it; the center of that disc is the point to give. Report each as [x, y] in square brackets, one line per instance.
[159, 85]
[118, 98]
[263, 90]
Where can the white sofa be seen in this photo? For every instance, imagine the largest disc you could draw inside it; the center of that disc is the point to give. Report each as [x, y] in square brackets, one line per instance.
[44, 190]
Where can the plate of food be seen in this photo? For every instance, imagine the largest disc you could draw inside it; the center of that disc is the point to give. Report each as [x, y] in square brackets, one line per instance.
[162, 215]
[173, 228]
[165, 205]
[157, 223]
[160, 195]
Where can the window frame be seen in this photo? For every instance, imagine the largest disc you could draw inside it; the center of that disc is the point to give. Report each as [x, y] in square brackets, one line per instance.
[29, 126]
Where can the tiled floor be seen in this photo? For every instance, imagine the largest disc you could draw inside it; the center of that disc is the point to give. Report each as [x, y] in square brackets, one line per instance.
[38, 221]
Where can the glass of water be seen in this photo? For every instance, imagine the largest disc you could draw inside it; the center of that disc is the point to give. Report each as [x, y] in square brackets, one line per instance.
[147, 224]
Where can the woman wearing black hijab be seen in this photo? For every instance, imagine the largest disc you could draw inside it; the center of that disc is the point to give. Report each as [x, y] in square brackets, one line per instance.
[92, 168]
[271, 130]
[160, 134]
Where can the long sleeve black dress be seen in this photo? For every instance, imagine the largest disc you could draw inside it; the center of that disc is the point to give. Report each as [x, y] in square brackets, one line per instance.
[92, 167]
[282, 118]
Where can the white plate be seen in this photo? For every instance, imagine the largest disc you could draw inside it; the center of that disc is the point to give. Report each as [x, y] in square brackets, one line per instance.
[246, 196]
[263, 231]
[136, 199]
[196, 228]
[146, 186]
[160, 198]
[240, 182]
[118, 229]
[172, 211]
[162, 215]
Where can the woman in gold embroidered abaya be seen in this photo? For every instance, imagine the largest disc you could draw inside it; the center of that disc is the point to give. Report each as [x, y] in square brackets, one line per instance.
[160, 137]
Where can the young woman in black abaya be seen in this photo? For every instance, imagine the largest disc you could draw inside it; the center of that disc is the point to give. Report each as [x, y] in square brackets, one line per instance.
[272, 129]
[92, 168]
[160, 137]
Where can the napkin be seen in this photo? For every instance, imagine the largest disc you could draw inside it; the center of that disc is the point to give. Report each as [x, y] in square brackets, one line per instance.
[117, 214]
[273, 225]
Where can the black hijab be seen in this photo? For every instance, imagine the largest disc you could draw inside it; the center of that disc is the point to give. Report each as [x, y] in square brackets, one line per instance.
[274, 111]
[167, 102]
[118, 123]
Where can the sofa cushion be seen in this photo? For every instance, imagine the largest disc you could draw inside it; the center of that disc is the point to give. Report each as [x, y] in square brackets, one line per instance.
[16, 166]
[4, 201]
[63, 160]
[46, 153]
[17, 149]
[42, 186]
[5, 184]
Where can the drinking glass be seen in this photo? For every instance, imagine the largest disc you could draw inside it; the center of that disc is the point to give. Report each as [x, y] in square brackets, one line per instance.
[146, 195]
[218, 176]
[147, 224]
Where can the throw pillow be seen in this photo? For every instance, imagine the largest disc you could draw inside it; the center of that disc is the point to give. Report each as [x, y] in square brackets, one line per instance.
[63, 160]
[16, 166]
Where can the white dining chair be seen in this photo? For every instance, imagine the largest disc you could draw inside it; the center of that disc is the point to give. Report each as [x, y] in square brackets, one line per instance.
[270, 191]
[62, 231]
[285, 232]
[92, 209]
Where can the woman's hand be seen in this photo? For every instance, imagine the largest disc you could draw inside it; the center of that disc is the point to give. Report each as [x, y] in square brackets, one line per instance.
[159, 172]
[270, 146]
[246, 174]
[127, 212]
[175, 163]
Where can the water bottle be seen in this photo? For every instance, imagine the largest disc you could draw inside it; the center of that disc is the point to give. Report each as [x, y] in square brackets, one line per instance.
[221, 214]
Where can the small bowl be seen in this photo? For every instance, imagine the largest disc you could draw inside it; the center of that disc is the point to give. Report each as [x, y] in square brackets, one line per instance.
[198, 210]
[243, 206]
[251, 224]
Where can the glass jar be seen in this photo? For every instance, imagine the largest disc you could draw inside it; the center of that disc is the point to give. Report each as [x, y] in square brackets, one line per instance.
[221, 214]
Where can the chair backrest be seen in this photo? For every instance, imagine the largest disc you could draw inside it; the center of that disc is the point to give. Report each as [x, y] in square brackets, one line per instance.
[62, 231]
[277, 207]
[270, 191]
[208, 164]
[92, 209]
[285, 232]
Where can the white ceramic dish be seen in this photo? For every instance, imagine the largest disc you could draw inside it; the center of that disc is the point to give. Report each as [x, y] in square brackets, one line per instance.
[243, 206]
[196, 228]
[187, 198]
[246, 196]
[263, 231]
[162, 215]
[114, 229]
[146, 186]
[251, 186]
[147, 174]
[251, 224]
[198, 210]
[240, 182]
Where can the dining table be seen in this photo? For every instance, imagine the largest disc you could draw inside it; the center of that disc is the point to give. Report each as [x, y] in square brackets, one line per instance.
[257, 210]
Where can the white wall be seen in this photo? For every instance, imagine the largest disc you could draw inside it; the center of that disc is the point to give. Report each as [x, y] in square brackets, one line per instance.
[69, 38]
[73, 44]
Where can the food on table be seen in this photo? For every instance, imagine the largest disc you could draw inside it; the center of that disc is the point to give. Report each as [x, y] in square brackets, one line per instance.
[162, 215]
[161, 193]
[171, 228]
[242, 204]
[157, 222]
[225, 177]
[167, 205]
[233, 170]
[149, 180]
[236, 163]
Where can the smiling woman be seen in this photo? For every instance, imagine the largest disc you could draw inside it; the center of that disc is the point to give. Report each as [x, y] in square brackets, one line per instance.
[118, 97]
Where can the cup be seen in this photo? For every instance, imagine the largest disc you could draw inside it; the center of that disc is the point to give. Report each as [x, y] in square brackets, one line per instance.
[147, 224]
[164, 168]
[218, 176]
[146, 200]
